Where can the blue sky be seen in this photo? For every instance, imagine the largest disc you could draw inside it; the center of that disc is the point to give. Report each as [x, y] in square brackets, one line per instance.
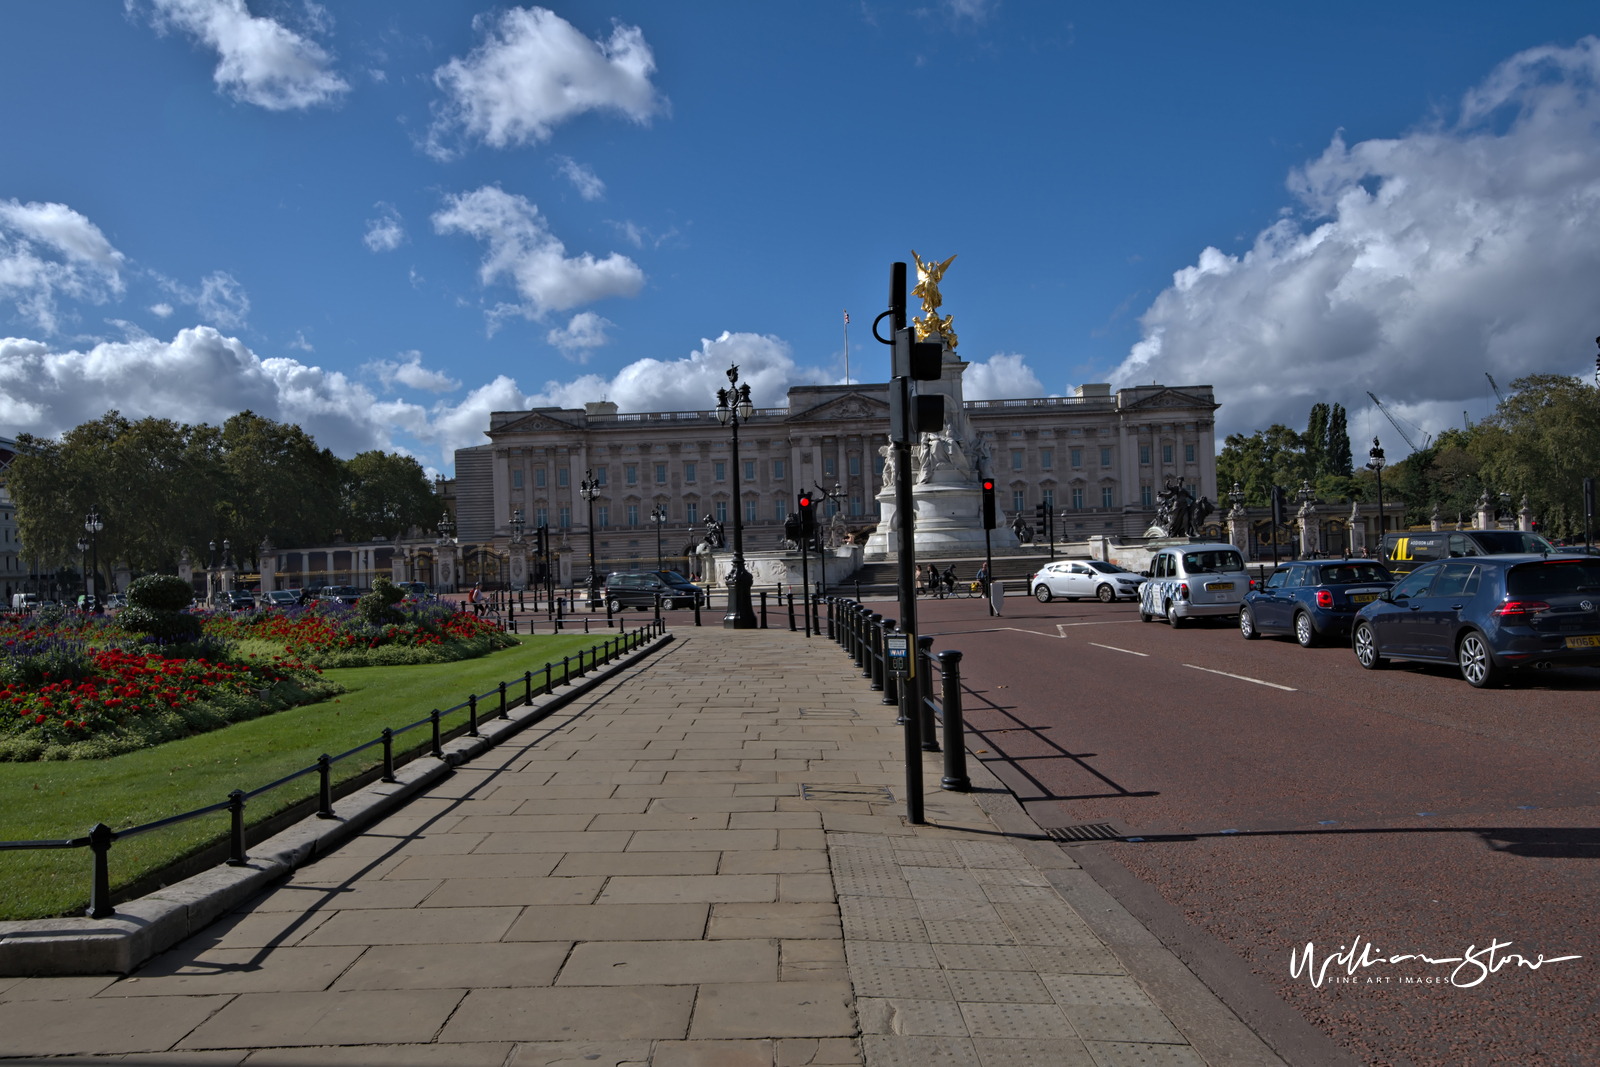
[383, 220]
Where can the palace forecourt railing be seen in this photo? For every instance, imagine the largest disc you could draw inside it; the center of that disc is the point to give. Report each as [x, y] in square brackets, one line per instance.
[100, 839]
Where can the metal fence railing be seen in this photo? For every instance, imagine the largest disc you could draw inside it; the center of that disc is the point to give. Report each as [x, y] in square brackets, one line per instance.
[859, 632]
[100, 839]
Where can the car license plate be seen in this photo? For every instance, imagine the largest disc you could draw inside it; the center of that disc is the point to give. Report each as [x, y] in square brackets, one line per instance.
[1363, 598]
[1217, 586]
[1590, 641]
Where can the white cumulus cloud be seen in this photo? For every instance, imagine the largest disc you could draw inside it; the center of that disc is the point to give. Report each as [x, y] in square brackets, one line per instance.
[385, 233]
[582, 177]
[410, 372]
[47, 250]
[522, 249]
[534, 70]
[1002, 377]
[259, 60]
[220, 300]
[1408, 266]
[161, 311]
[582, 334]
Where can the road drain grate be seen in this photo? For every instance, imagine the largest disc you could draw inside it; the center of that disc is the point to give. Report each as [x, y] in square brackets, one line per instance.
[877, 794]
[1098, 831]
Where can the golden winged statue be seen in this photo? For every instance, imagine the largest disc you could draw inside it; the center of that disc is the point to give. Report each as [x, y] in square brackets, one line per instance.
[927, 287]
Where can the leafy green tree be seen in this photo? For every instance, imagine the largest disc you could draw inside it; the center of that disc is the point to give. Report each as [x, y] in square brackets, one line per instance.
[277, 484]
[1316, 440]
[385, 493]
[1338, 450]
[1274, 456]
[1541, 442]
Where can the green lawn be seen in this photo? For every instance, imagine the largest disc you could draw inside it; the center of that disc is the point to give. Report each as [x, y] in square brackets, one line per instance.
[64, 799]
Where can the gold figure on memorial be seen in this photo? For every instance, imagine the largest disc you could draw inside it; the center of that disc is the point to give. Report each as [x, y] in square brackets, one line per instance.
[927, 287]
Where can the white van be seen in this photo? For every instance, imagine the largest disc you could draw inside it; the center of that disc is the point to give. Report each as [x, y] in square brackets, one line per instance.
[1192, 581]
[24, 602]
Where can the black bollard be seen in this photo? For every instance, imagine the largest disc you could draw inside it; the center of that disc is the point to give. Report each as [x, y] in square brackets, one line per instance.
[100, 838]
[763, 609]
[875, 653]
[922, 691]
[388, 755]
[791, 613]
[955, 746]
[236, 856]
[324, 787]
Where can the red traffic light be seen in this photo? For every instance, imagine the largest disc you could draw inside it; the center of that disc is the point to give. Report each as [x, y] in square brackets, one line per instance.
[988, 485]
[805, 501]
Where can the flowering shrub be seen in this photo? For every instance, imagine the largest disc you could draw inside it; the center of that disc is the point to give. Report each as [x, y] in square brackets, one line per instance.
[334, 635]
[62, 697]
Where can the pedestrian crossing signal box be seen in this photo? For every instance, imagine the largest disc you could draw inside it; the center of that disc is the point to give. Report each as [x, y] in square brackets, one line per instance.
[897, 654]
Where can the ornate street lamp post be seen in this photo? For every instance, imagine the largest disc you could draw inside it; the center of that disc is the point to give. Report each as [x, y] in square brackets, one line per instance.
[589, 489]
[83, 556]
[658, 516]
[447, 536]
[1375, 465]
[733, 406]
[92, 525]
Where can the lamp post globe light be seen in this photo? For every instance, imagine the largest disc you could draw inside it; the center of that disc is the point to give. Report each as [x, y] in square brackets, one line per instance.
[589, 489]
[1375, 465]
[734, 406]
[658, 516]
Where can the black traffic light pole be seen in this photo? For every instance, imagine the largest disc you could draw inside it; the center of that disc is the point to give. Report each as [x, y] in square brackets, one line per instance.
[805, 573]
[989, 519]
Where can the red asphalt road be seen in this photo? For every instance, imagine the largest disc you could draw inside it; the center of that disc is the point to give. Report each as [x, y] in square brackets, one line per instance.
[1481, 807]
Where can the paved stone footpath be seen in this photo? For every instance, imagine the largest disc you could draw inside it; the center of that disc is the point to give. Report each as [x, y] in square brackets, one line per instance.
[704, 864]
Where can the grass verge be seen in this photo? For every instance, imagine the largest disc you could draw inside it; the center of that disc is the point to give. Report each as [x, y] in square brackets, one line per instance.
[64, 799]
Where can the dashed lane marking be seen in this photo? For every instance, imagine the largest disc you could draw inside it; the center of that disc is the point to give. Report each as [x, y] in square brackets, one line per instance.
[1243, 678]
[1114, 648]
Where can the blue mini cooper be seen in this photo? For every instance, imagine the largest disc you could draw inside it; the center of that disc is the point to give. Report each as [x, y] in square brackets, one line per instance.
[1488, 615]
[1314, 600]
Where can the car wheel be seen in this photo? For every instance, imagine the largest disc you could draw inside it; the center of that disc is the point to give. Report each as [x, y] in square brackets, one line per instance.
[615, 605]
[1304, 632]
[1106, 594]
[1477, 662]
[1042, 594]
[1173, 619]
[1247, 625]
[1366, 646]
[1144, 616]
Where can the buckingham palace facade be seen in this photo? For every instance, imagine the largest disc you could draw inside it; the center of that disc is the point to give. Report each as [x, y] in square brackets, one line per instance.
[1099, 457]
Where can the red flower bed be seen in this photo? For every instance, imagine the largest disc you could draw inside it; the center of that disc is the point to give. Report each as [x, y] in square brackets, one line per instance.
[124, 685]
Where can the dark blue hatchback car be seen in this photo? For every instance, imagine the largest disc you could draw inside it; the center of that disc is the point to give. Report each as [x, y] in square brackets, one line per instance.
[1488, 615]
[1314, 600]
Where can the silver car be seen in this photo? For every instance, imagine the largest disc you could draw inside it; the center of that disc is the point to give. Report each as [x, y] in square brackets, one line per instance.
[1080, 579]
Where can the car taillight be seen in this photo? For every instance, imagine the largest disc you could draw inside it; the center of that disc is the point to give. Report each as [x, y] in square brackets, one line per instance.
[1520, 609]
[1183, 591]
[1324, 599]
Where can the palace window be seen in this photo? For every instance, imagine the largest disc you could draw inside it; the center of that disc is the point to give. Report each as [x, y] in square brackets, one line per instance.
[1049, 497]
[661, 474]
[561, 477]
[1105, 457]
[691, 513]
[855, 466]
[749, 511]
[855, 506]
[780, 510]
[538, 477]
[631, 472]
[777, 468]
[600, 476]
[1145, 497]
[1047, 458]
[830, 509]
[722, 511]
[1106, 494]
[566, 518]
[721, 470]
[603, 515]
[1188, 453]
[516, 479]
[1166, 453]
[827, 466]
[688, 472]
[633, 514]
[749, 470]
[1018, 501]
[1016, 459]
[541, 516]
[1077, 457]
[1077, 500]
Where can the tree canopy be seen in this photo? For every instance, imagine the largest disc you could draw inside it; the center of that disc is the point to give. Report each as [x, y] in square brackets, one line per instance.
[163, 486]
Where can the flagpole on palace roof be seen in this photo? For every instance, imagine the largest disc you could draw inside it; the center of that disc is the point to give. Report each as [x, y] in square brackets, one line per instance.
[847, 346]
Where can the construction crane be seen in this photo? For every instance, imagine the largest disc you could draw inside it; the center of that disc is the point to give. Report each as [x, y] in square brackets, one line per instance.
[1427, 438]
[1498, 395]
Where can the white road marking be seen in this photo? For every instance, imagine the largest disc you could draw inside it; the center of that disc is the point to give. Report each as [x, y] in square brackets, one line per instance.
[1061, 627]
[1114, 648]
[1244, 678]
